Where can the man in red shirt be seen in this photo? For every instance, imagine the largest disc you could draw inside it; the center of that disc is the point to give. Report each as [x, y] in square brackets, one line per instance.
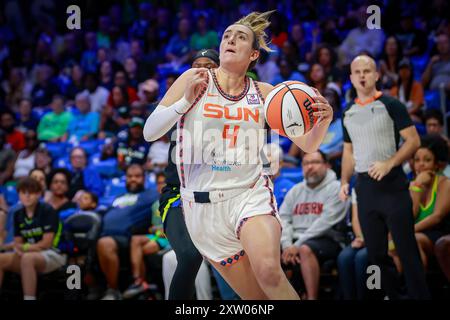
[13, 136]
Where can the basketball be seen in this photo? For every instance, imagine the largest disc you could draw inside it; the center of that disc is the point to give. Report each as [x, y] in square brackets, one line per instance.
[288, 109]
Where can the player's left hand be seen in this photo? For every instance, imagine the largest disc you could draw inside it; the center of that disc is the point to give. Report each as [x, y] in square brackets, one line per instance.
[379, 169]
[324, 109]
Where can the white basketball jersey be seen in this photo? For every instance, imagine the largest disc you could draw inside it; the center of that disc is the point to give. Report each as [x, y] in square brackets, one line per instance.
[220, 139]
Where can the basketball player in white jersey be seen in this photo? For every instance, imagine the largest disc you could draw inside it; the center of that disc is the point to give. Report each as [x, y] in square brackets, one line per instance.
[228, 202]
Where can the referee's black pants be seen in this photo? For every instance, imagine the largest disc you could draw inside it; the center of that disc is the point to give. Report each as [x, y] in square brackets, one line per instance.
[385, 206]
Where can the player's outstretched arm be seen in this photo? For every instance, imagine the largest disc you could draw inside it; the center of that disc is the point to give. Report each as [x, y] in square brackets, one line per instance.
[176, 102]
[311, 141]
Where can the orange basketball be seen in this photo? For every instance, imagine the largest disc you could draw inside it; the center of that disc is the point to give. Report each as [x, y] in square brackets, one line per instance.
[288, 109]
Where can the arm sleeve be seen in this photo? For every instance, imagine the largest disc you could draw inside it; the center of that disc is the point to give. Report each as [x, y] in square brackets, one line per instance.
[163, 119]
[398, 113]
[333, 212]
[286, 219]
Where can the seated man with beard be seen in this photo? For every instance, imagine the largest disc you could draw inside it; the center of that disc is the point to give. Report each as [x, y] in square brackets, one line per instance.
[128, 211]
[309, 212]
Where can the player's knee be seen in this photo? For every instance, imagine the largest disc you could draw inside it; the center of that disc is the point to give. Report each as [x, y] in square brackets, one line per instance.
[268, 272]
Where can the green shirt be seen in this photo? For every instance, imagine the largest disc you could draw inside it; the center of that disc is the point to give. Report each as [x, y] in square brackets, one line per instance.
[425, 211]
[53, 125]
[209, 40]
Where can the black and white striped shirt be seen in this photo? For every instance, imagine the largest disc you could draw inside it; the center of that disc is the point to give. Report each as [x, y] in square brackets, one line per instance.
[374, 129]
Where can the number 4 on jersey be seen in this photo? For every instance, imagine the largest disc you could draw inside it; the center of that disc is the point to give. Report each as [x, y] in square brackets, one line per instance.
[230, 134]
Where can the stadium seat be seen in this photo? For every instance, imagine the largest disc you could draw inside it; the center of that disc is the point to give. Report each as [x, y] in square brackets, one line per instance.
[114, 187]
[419, 64]
[57, 149]
[285, 143]
[91, 146]
[107, 168]
[432, 99]
[63, 162]
[11, 195]
[421, 130]
[293, 174]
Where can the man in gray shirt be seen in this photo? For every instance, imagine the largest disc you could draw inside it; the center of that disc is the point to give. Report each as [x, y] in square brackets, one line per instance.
[372, 126]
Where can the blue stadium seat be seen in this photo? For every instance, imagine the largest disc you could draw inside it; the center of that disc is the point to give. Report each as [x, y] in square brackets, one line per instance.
[107, 168]
[421, 129]
[11, 195]
[293, 174]
[91, 146]
[114, 187]
[419, 64]
[57, 149]
[432, 99]
[285, 144]
[63, 162]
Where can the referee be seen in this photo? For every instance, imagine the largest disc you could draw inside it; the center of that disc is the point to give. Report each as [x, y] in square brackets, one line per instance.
[373, 125]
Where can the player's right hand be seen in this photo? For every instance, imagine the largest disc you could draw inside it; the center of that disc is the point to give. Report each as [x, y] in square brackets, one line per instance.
[344, 193]
[196, 83]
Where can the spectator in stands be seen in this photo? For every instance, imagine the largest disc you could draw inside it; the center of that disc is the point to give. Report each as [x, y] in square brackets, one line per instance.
[317, 77]
[327, 58]
[413, 40]
[204, 37]
[7, 159]
[429, 192]
[43, 160]
[106, 75]
[131, 146]
[26, 158]
[76, 84]
[148, 94]
[178, 50]
[44, 89]
[26, 118]
[157, 155]
[352, 261]
[84, 124]
[36, 234]
[389, 62]
[89, 57]
[434, 124]
[14, 137]
[59, 182]
[281, 186]
[83, 177]
[127, 210]
[359, 39]
[39, 176]
[437, 72]
[98, 95]
[409, 91]
[16, 88]
[131, 68]
[140, 246]
[309, 212]
[115, 115]
[287, 72]
[121, 80]
[303, 45]
[53, 125]
[267, 67]
[442, 252]
[88, 201]
[289, 52]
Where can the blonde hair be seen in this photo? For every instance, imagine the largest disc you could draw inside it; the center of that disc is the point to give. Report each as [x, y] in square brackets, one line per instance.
[258, 22]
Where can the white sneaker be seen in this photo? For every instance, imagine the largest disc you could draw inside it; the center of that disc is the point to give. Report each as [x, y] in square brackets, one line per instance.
[112, 294]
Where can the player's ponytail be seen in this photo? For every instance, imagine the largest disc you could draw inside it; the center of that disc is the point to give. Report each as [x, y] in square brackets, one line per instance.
[258, 22]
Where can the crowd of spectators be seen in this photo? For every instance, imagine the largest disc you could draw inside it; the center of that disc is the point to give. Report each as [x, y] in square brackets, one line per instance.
[74, 102]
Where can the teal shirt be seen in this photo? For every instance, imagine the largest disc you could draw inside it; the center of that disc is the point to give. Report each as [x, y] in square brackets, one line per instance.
[84, 124]
[209, 40]
[53, 125]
